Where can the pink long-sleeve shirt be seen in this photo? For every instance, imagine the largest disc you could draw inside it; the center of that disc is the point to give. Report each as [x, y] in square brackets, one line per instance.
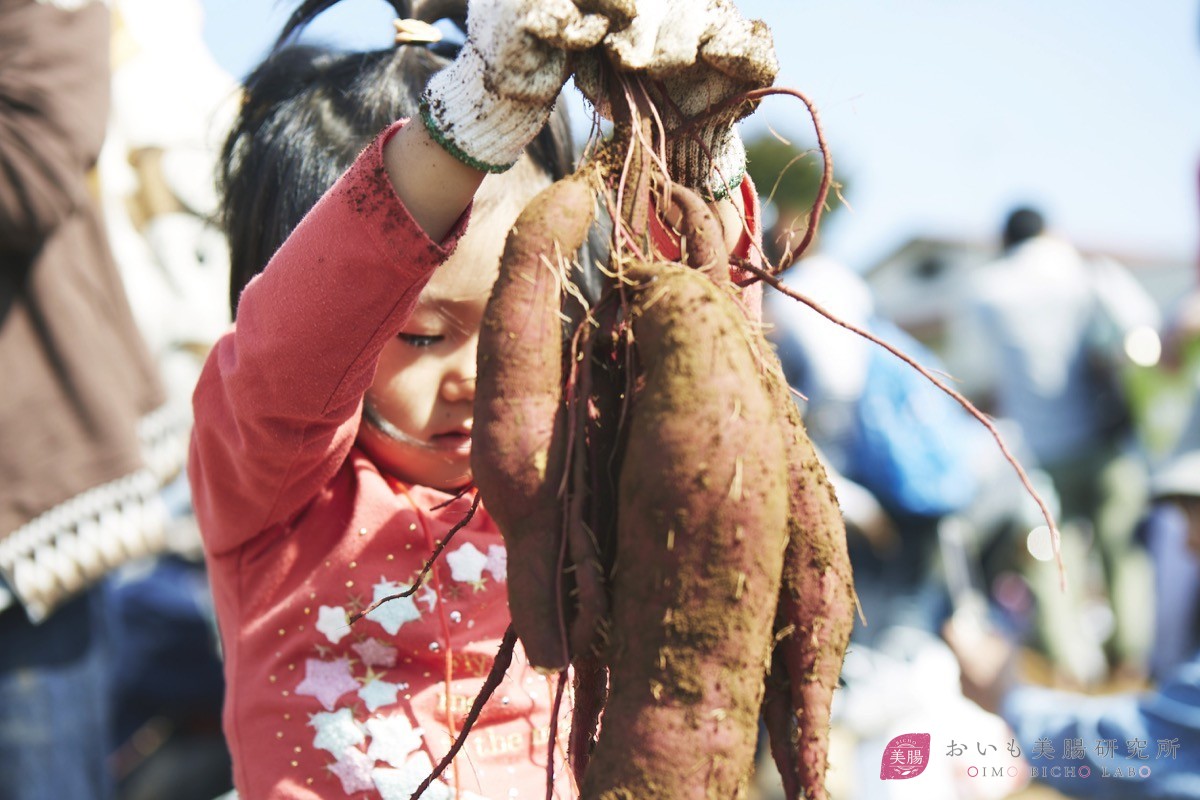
[301, 530]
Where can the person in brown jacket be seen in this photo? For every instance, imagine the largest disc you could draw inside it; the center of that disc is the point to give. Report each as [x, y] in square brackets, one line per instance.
[78, 486]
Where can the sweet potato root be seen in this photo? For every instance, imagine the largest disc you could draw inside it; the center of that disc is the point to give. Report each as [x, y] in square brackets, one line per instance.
[700, 541]
[520, 435]
[814, 618]
[590, 694]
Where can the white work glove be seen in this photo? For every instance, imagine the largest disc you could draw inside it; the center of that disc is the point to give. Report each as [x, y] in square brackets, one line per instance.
[703, 52]
[500, 90]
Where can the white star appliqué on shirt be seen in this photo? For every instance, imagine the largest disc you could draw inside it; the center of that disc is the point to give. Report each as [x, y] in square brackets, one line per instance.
[497, 562]
[394, 613]
[375, 653]
[393, 738]
[399, 784]
[353, 768]
[333, 622]
[327, 680]
[466, 564]
[337, 731]
[378, 693]
[428, 597]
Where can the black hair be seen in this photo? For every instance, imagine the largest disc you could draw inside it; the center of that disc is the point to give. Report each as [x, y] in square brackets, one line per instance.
[1022, 223]
[307, 111]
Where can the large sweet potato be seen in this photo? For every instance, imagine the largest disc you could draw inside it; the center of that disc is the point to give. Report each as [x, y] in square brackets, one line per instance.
[519, 448]
[700, 541]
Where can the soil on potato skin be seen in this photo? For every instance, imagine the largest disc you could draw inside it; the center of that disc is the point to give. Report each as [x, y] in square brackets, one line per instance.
[700, 545]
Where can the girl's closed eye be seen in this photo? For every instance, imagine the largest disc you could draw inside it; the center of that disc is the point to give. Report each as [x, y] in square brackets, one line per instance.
[419, 339]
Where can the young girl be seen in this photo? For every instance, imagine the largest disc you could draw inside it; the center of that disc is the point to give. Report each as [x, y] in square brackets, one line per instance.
[333, 424]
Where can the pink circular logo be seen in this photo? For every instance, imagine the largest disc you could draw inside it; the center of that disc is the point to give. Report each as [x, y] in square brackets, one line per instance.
[905, 757]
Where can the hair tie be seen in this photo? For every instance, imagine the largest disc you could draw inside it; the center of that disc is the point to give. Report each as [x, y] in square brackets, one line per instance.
[415, 31]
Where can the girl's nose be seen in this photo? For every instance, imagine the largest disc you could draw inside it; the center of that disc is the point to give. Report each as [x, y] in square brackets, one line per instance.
[458, 384]
[458, 387]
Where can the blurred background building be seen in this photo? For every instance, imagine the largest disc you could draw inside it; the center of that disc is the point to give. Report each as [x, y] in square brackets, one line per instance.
[921, 280]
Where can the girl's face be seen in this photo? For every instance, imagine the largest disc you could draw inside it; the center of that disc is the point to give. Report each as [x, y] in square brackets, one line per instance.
[419, 411]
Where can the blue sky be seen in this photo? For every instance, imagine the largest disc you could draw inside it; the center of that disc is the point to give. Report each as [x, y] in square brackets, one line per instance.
[944, 113]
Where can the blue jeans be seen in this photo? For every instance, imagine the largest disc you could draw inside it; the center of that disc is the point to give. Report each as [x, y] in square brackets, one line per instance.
[55, 715]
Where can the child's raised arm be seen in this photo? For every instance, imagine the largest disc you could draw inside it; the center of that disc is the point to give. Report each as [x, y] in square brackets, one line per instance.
[414, 162]
[277, 408]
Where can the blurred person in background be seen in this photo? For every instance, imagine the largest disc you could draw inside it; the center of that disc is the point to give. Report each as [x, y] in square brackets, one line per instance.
[1173, 532]
[1166, 719]
[172, 106]
[1177, 629]
[1172, 518]
[1041, 340]
[79, 459]
[1134, 745]
[1177, 571]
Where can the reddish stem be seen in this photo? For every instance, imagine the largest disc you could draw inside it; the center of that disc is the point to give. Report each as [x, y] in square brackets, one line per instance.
[818, 207]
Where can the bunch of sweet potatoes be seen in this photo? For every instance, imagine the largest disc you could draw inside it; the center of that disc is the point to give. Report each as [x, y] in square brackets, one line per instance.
[671, 533]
